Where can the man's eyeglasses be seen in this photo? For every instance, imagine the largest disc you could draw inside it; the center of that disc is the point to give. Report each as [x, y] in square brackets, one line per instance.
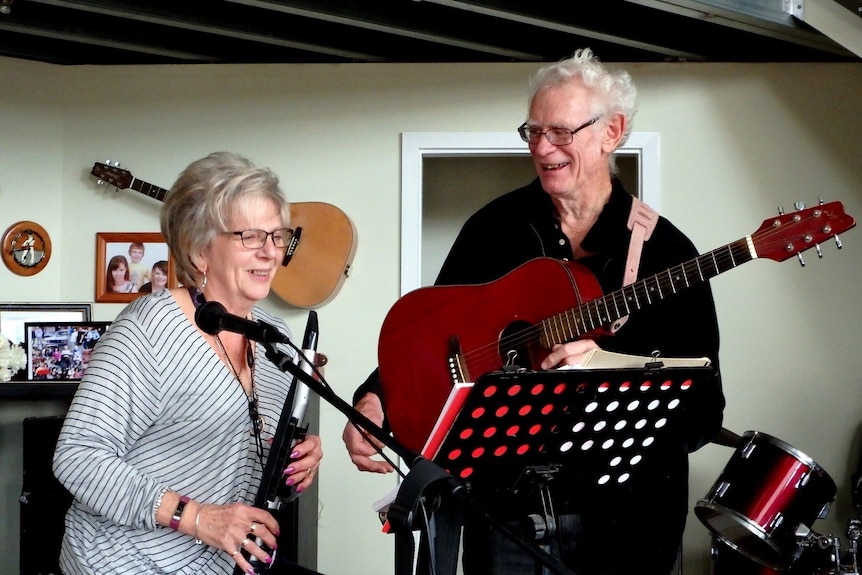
[256, 239]
[557, 136]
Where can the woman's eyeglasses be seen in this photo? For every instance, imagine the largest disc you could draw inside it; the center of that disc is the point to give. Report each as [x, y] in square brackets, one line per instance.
[256, 239]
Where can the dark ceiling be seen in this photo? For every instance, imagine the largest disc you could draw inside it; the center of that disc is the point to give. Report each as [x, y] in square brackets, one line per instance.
[71, 32]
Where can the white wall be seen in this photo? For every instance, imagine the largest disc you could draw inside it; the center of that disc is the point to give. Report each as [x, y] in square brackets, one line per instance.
[736, 141]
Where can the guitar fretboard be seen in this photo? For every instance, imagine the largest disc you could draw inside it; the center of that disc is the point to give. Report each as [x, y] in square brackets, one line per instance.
[149, 189]
[601, 312]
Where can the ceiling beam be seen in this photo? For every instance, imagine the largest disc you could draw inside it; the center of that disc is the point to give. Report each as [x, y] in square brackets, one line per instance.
[762, 17]
[178, 21]
[356, 21]
[832, 19]
[488, 9]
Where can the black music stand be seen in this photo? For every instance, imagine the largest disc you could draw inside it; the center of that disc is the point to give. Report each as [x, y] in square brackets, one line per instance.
[534, 433]
[598, 428]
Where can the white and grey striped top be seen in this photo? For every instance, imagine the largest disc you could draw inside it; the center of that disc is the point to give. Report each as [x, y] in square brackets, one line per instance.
[158, 409]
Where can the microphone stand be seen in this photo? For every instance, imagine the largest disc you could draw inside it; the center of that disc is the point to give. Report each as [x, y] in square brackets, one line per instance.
[415, 461]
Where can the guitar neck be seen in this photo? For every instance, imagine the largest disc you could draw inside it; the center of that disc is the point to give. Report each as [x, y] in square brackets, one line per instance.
[603, 311]
[148, 189]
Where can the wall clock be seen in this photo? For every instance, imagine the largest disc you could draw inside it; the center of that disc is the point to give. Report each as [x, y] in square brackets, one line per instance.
[26, 248]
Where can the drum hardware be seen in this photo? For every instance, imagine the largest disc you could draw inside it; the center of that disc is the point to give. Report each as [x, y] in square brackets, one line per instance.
[854, 532]
[814, 554]
[807, 539]
[726, 438]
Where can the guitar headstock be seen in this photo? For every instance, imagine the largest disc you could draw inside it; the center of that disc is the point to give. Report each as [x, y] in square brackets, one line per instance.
[792, 233]
[113, 175]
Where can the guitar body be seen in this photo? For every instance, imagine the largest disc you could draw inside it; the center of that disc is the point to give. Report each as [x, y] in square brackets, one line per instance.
[416, 340]
[321, 262]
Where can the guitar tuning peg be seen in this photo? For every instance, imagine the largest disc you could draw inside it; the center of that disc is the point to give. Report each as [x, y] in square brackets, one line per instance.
[780, 211]
[838, 243]
[799, 205]
[809, 238]
[820, 200]
[801, 259]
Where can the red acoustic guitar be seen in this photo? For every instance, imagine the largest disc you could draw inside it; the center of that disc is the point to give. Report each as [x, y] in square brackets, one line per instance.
[317, 260]
[436, 336]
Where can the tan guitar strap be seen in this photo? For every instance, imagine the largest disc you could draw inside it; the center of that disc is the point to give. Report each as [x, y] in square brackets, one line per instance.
[642, 221]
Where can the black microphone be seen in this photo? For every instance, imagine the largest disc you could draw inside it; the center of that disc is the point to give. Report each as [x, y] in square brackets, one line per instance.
[212, 317]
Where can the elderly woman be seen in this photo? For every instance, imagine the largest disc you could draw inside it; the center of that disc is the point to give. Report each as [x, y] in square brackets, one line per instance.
[165, 442]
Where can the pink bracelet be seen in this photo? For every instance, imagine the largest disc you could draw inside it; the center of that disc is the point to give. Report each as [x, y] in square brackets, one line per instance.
[181, 506]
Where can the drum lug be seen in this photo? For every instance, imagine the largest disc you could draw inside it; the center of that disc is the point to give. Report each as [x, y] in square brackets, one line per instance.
[776, 522]
[824, 512]
[803, 480]
[747, 450]
[722, 488]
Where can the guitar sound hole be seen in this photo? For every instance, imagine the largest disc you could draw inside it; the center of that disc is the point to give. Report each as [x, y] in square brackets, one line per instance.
[515, 348]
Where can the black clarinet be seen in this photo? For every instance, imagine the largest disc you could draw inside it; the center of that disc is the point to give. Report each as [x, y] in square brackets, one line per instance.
[273, 494]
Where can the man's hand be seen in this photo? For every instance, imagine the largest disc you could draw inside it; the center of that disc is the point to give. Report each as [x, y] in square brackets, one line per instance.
[361, 451]
[571, 353]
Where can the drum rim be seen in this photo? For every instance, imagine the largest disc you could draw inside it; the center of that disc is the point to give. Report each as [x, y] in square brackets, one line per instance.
[748, 437]
[746, 523]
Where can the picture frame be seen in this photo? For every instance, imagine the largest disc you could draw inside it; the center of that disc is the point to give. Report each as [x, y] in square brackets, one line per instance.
[13, 316]
[114, 251]
[60, 351]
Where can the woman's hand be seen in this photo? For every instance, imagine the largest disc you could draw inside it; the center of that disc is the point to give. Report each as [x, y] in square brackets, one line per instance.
[235, 528]
[571, 353]
[305, 459]
[360, 448]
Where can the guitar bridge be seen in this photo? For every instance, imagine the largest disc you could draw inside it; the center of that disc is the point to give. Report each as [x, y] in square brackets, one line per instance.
[457, 367]
[291, 247]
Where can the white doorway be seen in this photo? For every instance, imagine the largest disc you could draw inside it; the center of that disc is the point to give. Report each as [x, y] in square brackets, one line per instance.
[446, 176]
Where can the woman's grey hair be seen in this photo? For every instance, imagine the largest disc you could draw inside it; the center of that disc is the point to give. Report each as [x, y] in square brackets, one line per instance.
[614, 92]
[203, 201]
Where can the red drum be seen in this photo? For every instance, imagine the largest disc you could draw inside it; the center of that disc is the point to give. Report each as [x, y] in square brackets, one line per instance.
[766, 491]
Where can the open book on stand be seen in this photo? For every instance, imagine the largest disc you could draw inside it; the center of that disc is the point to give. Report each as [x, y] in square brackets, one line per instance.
[595, 359]
[602, 359]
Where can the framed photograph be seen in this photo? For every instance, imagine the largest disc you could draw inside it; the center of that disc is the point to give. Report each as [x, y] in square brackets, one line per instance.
[13, 317]
[59, 351]
[129, 265]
